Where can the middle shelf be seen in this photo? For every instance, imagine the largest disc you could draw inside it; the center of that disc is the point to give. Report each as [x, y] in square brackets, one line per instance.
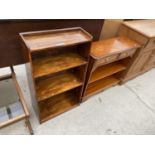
[56, 84]
[106, 70]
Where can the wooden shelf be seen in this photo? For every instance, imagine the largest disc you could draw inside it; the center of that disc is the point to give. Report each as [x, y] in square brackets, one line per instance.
[100, 85]
[57, 105]
[56, 63]
[106, 70]
[48, 39]
[57, 69]
[56, 85]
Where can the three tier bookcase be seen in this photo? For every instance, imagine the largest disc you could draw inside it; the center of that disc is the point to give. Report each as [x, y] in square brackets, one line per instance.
[56, 70]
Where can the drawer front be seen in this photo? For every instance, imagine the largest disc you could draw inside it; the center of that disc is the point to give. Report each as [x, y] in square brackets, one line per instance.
[151, 44]
[107, 60]
[111, 58]
[127, 53]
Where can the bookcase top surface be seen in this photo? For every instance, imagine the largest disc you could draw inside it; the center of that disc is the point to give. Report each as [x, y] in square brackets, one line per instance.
[40, 40]
[103, 48]
[145, 27]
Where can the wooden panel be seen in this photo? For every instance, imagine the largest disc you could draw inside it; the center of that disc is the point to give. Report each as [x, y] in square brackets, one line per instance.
[56, 85]
[107, 60]
[100, 85]
[151, 44]
[110, 28]
[151, 63]
[145, 27]
[107, 47]
[56, 63]
[139, 63]
[106, 70]
[57, 105]
[31, 86]
[125, 31]
[127, 54]
[11, 53]
[41, 40]
[115, 57]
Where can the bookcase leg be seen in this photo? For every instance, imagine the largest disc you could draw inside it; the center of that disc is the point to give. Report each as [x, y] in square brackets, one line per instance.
[28, 124]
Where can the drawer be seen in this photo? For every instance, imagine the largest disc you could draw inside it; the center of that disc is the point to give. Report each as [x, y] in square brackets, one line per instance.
[107, 59]
[111, 58]
[127, 53]
[151, 44]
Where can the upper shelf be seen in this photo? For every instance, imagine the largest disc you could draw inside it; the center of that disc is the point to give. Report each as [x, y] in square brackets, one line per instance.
[40, 40]
[52, 64]
[111, 46]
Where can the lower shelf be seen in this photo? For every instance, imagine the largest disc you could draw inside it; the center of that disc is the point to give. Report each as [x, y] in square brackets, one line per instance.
[56, 85]
[57, 105]
[100, 85]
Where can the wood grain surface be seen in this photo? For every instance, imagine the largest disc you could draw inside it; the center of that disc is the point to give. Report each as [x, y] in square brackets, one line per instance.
[41, 40]
[56, 63]
[145, 27]
[101, 85]
[56, 85]
[106, 70]
[111, 46]
[56, 105]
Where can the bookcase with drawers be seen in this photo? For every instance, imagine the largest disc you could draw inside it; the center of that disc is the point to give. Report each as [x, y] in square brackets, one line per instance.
[57, 69]
[108, 59]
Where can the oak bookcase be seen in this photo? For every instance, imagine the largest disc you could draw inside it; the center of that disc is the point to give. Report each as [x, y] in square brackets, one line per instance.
[57, 69]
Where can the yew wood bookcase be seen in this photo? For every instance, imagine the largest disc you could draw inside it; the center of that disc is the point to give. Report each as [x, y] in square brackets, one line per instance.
[57, 69]
[108, 59]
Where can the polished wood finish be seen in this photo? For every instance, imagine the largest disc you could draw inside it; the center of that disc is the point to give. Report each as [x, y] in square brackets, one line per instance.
[108, 60]
[100, 85]
[57, 105]
[112, 46]
[49, 39]
[143, 31]
[145, 27]
[151, 63]
[56, 63]
[56, 85]
[106, 70]
[11, 52]
[57, 69]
